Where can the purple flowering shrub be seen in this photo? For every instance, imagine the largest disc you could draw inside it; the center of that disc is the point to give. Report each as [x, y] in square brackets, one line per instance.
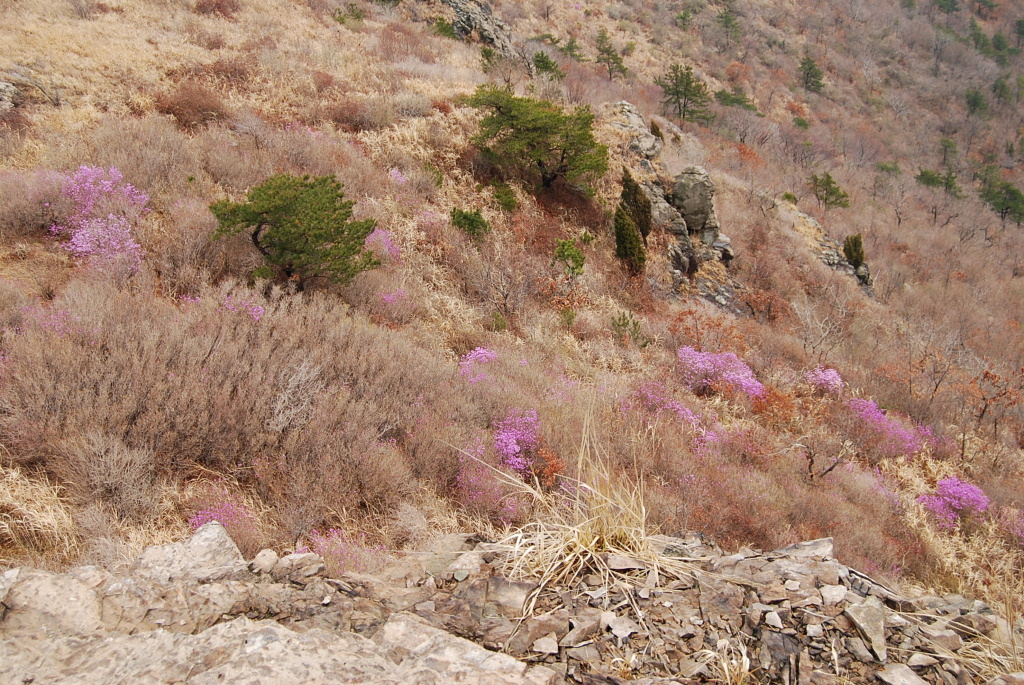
[654, 398]
[342, 551]
[382, 243]
[1011, 522]
[105, 209]
[243, 306]
[217, 503]
[884, 436]
[709, 372]
[516, 439]
[824, 380]
[471, 364]
[481, 492]
[954, 500]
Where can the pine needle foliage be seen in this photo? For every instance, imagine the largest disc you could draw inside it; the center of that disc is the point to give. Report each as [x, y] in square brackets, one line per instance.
[302, 226]
[637, 204]
[853, 250]
[685, 94]
[629, 246]
[537, 139]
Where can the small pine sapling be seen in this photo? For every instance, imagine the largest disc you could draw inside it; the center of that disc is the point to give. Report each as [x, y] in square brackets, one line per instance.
[629, 246]
[637, 204]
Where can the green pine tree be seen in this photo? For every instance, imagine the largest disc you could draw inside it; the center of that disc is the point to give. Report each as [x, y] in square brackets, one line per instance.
[853, 250]
[628, 245]
[685, 94]
[811, 75]
[302, 227]
[637, 204]
[537, 139]
[608, 56]
[827, 192]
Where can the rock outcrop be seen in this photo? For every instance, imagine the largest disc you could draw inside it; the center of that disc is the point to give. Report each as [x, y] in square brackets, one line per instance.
[10, 97]
[684, 207]
[473, 17]
[194, 612]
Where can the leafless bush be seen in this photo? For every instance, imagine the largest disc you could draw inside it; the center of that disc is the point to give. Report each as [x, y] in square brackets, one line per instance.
[187, 382]
[99, 467]
[185, 257]
[235, 162]
[150, 152]
[192, 105]
[30, 203]
[234, 70]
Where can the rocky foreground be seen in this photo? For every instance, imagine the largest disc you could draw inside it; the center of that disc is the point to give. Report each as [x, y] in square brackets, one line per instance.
[196, 612]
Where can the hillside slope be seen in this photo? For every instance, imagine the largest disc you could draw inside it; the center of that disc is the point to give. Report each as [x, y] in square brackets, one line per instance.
[156, 376]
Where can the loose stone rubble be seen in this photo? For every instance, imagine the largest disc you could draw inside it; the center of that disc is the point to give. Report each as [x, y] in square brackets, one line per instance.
[195, 612]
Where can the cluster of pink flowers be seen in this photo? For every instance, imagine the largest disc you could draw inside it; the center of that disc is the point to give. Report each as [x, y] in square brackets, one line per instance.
[654, 398]
[709, 371]
[344, 552]
[470, 363]
[105, 209]
[229, 514]
[190, 299]
[381, 242]
[515, 439]
[891, 436]
[954, 500]
[393, 297]
[825, 380]
[1012, 522]
[397, 176]
[245, 306]
[60, 322]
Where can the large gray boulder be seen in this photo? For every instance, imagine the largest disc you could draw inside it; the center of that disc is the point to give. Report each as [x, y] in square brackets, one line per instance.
[693, 195]
[10, 96]
[210, 554]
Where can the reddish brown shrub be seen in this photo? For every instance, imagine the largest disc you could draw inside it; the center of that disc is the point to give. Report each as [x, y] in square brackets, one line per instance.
[192, 105]
[322, 81]
[224, 8]
[776, 407]
[369, 114]
[234, 70]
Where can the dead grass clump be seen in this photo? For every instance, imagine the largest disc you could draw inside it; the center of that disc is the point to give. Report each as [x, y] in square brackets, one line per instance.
[578, 528]
[192, 106]
[35, 520]
[223, 8]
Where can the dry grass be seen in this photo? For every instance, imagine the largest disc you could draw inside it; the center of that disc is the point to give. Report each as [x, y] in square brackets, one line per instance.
[36, 521]
[578, 527]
